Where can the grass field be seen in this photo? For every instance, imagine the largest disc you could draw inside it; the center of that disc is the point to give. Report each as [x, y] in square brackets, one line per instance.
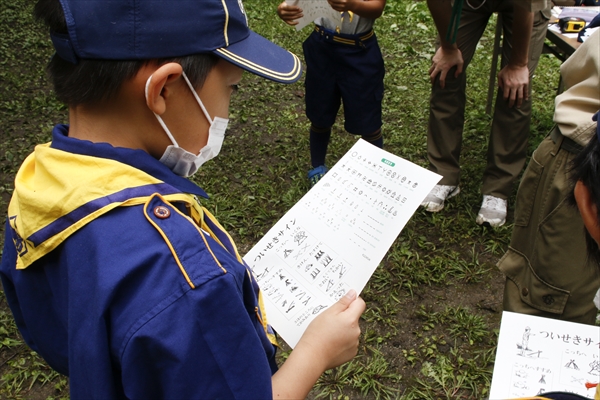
[434, 303]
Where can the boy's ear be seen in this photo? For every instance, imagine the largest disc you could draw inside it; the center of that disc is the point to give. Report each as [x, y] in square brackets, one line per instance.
[588, 210]
[159, 88]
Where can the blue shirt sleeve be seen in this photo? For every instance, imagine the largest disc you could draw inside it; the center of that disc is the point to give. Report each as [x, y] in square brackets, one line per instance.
[203, 344]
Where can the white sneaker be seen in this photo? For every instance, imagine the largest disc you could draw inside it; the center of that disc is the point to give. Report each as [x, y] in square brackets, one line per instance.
[434, 201]
[492, 212]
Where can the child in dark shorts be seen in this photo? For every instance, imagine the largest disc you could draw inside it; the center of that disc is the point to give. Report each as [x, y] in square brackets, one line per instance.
[343, 65]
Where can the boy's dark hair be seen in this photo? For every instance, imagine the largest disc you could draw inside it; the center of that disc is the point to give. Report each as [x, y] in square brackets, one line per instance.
[585, 167]
[92, 81]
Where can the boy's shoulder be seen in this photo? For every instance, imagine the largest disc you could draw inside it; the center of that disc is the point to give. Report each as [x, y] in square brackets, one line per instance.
[157, 236]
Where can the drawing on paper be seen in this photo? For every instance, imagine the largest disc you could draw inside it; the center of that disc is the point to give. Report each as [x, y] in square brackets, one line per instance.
[536, 355]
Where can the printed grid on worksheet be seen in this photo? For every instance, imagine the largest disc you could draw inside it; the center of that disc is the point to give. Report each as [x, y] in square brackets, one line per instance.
[357, 200]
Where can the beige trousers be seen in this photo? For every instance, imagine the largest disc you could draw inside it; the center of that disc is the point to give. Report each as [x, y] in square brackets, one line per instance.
[510, 126]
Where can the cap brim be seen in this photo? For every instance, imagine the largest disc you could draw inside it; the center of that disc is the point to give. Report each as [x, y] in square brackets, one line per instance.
[264, 58]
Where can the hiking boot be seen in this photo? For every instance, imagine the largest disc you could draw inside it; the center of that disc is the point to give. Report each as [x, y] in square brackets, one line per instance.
[492, 212]
[434, 201]
[315, 174]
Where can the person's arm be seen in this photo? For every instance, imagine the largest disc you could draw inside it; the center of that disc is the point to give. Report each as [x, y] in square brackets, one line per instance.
[289, 14]
[513, 79]
[448, 54]
[204, 345]
[330, 340]
[371, 9]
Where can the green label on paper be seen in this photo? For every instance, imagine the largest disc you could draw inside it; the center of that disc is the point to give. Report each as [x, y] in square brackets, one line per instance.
[388, 162]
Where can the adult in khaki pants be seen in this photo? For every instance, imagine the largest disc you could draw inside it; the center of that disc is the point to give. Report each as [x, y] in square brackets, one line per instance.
[546, 265]
[512, 112]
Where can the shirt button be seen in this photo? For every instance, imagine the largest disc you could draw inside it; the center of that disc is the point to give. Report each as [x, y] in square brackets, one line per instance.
[548, 299]
[162, 212]
[525, 291]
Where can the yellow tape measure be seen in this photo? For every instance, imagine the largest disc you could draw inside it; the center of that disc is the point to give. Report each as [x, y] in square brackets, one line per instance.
[571, 24]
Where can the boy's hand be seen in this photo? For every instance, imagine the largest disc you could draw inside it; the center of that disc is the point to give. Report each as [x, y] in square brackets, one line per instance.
[333, 336]
[330, 340]
[514, 82]
[443, 60]
[289, 13]
[366, 9]
[342, 5]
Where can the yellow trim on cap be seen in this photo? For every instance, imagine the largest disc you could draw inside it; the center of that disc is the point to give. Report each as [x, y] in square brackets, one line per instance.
[226, 23]
[290, 76]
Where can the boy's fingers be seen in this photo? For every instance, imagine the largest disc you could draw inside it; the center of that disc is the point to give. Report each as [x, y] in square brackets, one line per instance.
[342, 304]
[291, 9]
[345, 301]
[351, 303]
[357, 307]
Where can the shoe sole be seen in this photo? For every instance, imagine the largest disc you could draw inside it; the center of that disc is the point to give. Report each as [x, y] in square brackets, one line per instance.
[483, 222]
[433, 207]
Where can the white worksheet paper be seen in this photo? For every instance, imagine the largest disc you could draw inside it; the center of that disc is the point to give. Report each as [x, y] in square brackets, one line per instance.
[585, 13]
[332, 240]
[313, 9]
[537, 355]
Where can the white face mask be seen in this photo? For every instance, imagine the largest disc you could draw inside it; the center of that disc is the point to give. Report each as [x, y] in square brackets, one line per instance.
[181, 161]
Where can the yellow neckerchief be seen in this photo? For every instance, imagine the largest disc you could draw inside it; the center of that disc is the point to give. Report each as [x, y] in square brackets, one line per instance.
[350, 18]
[57, 193]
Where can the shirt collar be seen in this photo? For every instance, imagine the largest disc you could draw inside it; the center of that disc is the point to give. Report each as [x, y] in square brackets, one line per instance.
[136, 158]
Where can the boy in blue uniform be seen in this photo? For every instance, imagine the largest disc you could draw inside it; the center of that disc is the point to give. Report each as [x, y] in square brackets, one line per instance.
[343, 65]
[113, 270]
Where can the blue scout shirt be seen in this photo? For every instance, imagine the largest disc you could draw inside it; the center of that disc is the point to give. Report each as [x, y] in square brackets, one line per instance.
[122, 281]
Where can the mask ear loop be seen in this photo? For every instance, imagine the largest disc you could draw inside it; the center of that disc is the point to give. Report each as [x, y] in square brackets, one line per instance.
[160, 120]
[210, 120]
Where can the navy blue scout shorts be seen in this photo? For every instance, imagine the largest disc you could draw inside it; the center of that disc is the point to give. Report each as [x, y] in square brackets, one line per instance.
[344, 68]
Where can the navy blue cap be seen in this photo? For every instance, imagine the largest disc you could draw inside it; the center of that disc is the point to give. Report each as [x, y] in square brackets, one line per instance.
[150, 29]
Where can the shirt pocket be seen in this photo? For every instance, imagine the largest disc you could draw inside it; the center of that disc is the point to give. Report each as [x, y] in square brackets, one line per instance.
[527, 192]
[533, 290]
